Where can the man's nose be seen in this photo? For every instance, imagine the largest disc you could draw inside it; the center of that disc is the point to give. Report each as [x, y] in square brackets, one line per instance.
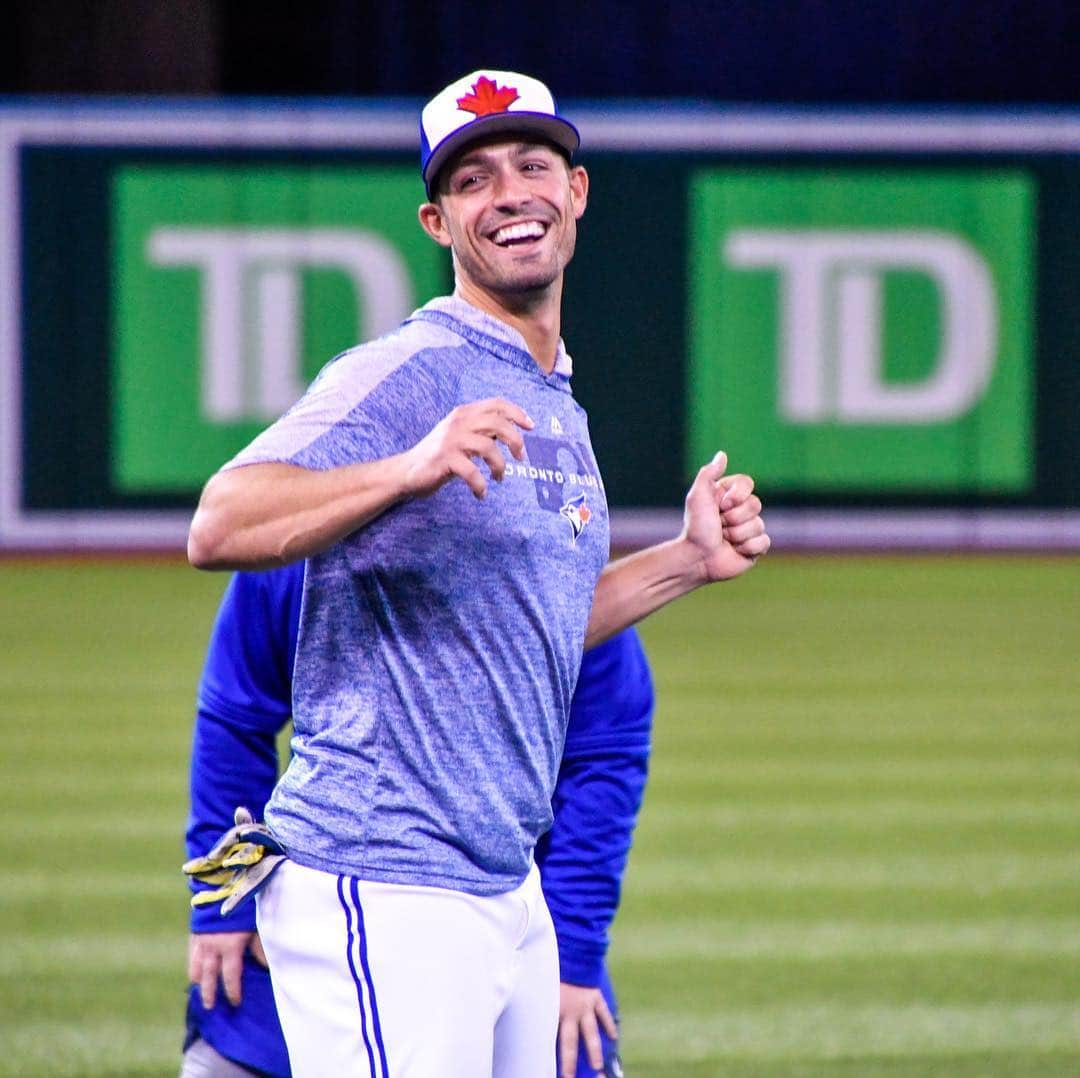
[510, 188]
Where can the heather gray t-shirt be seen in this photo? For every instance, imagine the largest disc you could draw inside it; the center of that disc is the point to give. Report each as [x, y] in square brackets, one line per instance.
[439, 646]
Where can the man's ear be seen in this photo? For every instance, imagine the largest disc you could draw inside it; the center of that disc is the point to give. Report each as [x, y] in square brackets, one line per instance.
[579, 189]
[434, 224]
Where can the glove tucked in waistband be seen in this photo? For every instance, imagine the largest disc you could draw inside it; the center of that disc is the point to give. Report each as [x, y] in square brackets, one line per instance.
[240, 863]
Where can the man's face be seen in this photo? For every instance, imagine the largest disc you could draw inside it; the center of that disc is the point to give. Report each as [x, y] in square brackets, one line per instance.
[508, 209]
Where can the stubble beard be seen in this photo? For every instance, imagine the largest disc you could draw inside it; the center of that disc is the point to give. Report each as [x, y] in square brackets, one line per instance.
[521, 282]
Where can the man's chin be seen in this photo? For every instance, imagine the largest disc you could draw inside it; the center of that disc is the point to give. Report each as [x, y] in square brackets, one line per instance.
[523, 282]
[519, 282]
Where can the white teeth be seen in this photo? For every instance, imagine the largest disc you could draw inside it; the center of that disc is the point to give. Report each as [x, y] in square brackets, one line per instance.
[525, 230]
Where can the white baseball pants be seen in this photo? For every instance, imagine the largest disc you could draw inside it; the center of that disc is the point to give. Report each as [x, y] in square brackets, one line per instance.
[378, 980]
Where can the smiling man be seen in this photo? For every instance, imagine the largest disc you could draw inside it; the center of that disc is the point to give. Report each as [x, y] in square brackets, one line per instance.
[443, 621]
[507, 209]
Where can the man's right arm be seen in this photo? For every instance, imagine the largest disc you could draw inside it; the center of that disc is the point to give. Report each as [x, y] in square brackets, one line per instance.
[260, 515]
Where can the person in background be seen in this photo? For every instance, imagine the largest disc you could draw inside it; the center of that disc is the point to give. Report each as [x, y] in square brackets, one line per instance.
[244, 701]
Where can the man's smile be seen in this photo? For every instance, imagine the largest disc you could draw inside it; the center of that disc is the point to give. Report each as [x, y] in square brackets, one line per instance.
[519, 233]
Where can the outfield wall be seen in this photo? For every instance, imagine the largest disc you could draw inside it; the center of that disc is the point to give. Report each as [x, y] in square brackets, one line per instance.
[874, 313]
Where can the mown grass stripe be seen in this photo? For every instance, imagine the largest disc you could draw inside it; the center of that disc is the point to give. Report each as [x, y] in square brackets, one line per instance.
[863, 812]
[712, 938]
[53, 785]
[112, 953]
[130, 884]
[825, 1031]
[851, 769]
[74, 1049]
[103, 824]
[983, 872]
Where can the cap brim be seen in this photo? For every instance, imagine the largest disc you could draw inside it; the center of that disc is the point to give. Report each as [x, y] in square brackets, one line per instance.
[549, 128]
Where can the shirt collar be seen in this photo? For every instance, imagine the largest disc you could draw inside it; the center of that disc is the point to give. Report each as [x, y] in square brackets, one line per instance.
[490, 326]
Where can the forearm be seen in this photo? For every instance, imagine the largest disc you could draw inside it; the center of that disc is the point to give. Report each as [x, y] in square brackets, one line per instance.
[263, 515]
[596, 803]
[633, 587]
[231, 765]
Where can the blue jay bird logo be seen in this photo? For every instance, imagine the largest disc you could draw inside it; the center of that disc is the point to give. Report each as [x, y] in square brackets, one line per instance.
[577, 513]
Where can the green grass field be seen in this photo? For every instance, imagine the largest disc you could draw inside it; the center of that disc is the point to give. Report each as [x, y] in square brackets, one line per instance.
[859, 853]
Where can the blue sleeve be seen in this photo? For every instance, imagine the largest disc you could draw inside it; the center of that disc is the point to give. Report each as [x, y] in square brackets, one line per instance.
[597, 797]
[244, 699]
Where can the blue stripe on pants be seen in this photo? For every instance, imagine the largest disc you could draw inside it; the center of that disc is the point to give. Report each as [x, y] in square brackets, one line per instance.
[354, 912]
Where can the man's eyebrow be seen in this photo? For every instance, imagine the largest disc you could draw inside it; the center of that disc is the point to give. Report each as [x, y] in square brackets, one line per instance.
[473, 157]
[482, 154]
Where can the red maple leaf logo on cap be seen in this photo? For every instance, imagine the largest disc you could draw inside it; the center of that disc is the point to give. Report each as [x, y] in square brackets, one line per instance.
[487, 98]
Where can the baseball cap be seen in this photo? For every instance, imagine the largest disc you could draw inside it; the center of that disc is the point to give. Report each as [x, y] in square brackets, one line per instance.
[487, 103]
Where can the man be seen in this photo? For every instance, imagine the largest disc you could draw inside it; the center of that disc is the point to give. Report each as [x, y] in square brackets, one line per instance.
[443, 621]
[244, 701]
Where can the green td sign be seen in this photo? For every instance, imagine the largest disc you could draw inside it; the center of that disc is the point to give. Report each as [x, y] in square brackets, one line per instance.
[863, 331]
[233, 285]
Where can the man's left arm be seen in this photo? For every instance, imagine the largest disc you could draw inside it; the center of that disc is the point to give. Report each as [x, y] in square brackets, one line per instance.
[244, 700]
[723, 536]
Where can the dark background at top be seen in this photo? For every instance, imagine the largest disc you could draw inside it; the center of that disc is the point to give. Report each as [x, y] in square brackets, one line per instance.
[842, 52]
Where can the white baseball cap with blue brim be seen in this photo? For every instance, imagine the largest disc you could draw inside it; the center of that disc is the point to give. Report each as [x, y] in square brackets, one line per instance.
[488, 103]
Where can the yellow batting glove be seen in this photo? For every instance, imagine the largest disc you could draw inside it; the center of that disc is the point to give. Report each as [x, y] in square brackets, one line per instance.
[240, 863]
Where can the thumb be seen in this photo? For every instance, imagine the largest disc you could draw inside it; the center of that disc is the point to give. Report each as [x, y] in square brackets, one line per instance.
[717, 466]
[709, 475]
[257, 952]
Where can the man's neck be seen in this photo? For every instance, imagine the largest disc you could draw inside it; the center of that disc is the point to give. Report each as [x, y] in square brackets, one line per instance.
[536, 316]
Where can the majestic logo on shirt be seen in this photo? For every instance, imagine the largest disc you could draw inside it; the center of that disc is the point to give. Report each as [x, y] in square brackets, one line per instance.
[487, 97]
[556, 426]
[577, 513]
